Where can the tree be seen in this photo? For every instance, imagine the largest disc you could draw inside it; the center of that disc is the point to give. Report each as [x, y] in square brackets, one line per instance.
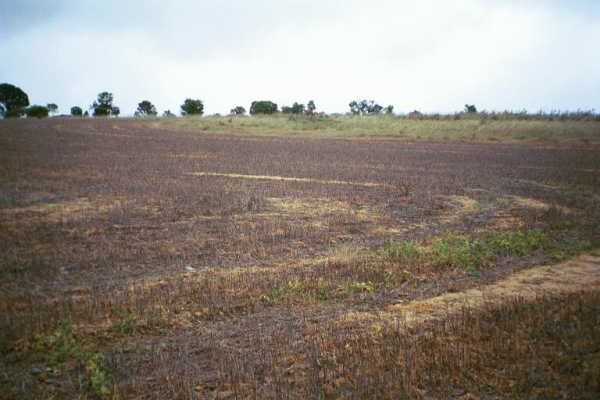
[239, 110]
[295, 109]
[365, 107]
[52, 108]
[389, 110]
[192, 107]
[86, 114]
[168, 114]
[311, 108]
[36, 111]
[76, 111]
[12, 100]
[146, 109]
[114, 110]
[263, 107]
[103, 107]
[470, 108]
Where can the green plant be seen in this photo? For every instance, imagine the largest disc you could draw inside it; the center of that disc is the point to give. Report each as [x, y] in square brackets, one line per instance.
[36, 111]
[402, 251]
[239, 110]
[192, 107]
[126, 322]
[52, 108]
[103, 106]
[98, 375]
[263, 107]
[12, 99]
[365, 107]
[297, 108]
[146, 109]
[76, 111]
[519, 243]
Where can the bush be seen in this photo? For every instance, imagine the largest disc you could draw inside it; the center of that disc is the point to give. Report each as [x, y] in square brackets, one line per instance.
[36, 111]
[103, 107]
[297, 108]
[311, 108]
[52, 108]
[365, 107]
[415, 115]
[12, 100]
[239, 110]
[146, 109]
[76, 111]
[17, 113]
[192, 107]
[168, 114]
[263, 107]
[470, 108]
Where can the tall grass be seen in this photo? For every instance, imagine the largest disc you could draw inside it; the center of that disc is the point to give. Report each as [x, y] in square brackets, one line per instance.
[485, 127]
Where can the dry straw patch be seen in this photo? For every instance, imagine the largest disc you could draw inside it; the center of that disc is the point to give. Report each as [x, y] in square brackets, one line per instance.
[569, 277]
[289, 179]
[55, 212]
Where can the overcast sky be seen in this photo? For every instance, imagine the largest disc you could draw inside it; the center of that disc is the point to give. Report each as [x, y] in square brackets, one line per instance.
[430, 55]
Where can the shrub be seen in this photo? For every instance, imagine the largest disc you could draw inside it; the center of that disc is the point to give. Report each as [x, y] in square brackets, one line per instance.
[76, 111]
[36, 111]
[297, 108]
[146, 109]
[12, 100]
[415, 115]
[192, 107]
[365, 107]
[103, 106]
[470, 108]
[52, 108]
[239, 110]
[263, 107]
[168, 114]
[311, 108]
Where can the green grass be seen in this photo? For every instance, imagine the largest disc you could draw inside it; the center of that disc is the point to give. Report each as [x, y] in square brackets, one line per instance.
[391, 126]
[455, 251]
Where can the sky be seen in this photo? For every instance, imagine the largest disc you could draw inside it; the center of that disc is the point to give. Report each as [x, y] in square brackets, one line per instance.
[427, 55]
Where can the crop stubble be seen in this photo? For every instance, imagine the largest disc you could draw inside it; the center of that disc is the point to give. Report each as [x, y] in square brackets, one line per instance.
[225, 247]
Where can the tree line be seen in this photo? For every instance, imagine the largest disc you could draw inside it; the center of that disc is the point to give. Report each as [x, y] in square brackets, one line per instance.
[14, 103]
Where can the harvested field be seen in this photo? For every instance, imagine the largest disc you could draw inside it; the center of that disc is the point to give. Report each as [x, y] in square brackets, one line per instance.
[142, 261]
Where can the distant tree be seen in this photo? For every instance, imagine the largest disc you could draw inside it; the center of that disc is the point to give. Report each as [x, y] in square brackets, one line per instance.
[311, 108]
[365, 107]
[76, 111]
[168, 114]
[239, 110]
[416, 114]
[86, 114]
[192, 107]
[263, 107]
[146, 109]
[103, 106]
[116, 111]
[36, 111]
[470, 108]
[52, 108]
[389, 110]
[297, 108]
[12, 100]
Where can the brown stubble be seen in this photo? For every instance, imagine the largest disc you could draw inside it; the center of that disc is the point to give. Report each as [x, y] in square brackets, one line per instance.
[234, 281]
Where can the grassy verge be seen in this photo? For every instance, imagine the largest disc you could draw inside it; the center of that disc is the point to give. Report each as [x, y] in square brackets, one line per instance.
[392, 126]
